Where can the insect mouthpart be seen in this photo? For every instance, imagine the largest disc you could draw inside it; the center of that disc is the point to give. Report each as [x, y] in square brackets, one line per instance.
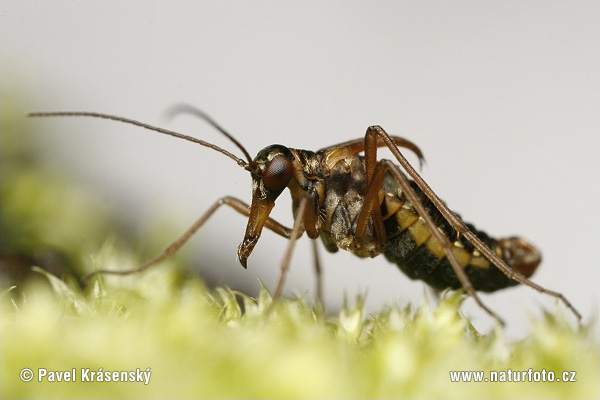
[259, 213]
[273, 170]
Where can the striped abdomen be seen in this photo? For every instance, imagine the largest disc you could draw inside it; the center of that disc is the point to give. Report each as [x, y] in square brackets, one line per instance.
[411, 246]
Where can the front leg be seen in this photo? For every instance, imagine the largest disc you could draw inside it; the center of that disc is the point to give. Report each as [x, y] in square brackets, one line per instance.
[306, 218]
[232, 202]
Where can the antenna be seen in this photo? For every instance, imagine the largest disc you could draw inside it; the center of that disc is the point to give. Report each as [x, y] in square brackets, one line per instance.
[242, 163]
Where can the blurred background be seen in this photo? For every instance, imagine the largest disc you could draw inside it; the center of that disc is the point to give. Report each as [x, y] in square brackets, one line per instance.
[502, 97]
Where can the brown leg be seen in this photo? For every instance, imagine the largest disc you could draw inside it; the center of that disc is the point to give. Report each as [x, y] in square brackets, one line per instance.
[375, 174]
[369, 208]
[457, 224]
[336, 153]
[234, 203]
[296, 230]
[318, 273]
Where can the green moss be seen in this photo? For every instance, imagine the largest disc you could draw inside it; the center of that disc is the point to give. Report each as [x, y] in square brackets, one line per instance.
[198, 343]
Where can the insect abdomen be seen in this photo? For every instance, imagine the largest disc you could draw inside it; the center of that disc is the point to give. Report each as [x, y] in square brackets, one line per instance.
[411, 246]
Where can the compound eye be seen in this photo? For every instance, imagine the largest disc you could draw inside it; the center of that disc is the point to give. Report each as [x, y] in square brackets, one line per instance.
[278, 173]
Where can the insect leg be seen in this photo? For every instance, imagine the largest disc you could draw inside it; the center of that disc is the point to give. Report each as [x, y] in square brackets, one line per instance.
[233, 202]
[355, 146]
[457, 224]
[301, 214]
[374, 180]
[336, 153]
[368, 208]
[318, 272]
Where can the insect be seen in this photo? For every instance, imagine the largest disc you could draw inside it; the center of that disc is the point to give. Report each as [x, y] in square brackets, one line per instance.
[353, 201]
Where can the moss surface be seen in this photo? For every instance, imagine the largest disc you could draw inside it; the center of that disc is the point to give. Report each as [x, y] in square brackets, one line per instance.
[198, 343]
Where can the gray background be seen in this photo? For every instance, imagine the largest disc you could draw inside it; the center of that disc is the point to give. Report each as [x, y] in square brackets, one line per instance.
[503, 98]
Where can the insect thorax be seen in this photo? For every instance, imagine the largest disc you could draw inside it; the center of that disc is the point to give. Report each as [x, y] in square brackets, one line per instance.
[345, 188]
